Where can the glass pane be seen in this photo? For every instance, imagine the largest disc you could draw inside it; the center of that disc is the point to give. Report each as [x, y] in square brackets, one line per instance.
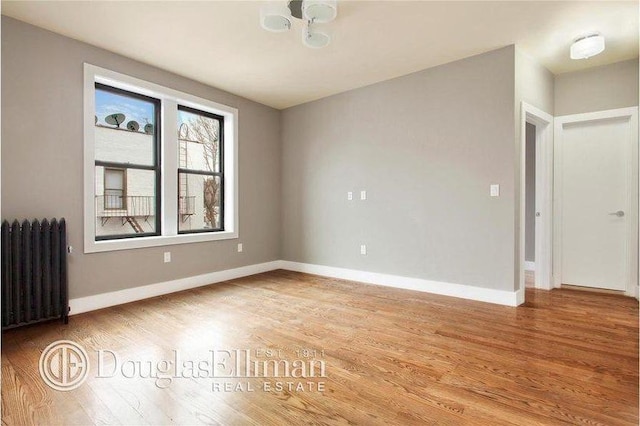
[199, 202]
[114, 179]
[127, 209]
[124, 129]
[199, 142]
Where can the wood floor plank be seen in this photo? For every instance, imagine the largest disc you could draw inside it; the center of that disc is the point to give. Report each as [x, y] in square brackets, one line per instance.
[392, 357]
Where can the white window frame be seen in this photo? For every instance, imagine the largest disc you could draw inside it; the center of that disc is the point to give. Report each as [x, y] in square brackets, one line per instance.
[170, 99]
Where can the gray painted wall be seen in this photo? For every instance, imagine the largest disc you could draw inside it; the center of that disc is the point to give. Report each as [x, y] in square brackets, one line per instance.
[530, 201]
[597, 89]
[42, 143]
[425, 147]
[534, 84]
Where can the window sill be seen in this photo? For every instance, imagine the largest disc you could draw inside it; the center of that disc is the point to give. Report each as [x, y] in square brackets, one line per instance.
[159, 241]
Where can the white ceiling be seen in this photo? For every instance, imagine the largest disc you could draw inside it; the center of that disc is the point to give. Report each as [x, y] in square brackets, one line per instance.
[221, 43]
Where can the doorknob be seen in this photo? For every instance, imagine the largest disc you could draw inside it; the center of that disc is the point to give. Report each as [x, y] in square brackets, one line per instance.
[619, 213]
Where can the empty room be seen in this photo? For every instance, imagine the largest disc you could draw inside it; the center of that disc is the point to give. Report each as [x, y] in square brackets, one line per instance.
[319, 212]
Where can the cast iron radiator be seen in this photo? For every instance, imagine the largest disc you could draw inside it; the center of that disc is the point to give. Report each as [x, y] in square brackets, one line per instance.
[34, 272]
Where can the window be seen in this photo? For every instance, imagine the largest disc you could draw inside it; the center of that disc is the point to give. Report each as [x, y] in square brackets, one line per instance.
[114, 197]
[160, 165]
[200, 170]
[127, 163]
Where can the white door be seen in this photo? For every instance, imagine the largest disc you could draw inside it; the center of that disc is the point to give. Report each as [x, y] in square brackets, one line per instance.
[596, 179]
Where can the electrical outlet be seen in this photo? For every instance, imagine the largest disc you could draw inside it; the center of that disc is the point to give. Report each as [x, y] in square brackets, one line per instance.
[349, 195]
[363, 195]
[239, 247]
[167, 256]
[495, 190]
[363, 249]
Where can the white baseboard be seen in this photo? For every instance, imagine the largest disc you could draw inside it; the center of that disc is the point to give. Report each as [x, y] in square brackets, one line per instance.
[520, 296]
[501, 297]
[529, 266]
[104, 300]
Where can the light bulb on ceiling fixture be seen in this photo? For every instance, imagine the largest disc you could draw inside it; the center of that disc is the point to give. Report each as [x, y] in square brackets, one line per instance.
[275, 17]
[314, 38]
[587, 46]
[320, 11]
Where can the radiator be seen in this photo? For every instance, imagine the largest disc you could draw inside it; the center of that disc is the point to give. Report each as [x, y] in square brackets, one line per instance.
[34, 272]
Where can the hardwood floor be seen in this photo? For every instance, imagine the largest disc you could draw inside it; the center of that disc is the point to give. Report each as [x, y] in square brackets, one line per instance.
[392, 357]
[529, 279]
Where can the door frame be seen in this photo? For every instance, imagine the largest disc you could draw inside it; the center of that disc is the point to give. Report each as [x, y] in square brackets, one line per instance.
[631, 284]
[544, 184]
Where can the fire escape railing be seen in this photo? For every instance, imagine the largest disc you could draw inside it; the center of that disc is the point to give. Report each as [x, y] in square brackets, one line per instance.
[119, 206]
[137, 205]
[186, 205]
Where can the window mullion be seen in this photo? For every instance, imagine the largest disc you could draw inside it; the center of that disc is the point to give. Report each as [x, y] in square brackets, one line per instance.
[198, 172]
[169, 167]
[118, 165]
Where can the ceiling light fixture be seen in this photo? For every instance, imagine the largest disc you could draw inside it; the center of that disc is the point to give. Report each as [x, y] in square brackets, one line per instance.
[587, 46]
[320, 11]
[276, 16]
[314, 38]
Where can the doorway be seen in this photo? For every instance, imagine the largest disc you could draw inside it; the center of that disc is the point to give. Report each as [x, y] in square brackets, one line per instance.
[530, 205]
[596, 200]
[536, 184]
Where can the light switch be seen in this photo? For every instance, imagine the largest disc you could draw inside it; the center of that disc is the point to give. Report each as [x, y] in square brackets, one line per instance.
[363, 195]
[363, 249]
[495, 190]
[349, 195]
